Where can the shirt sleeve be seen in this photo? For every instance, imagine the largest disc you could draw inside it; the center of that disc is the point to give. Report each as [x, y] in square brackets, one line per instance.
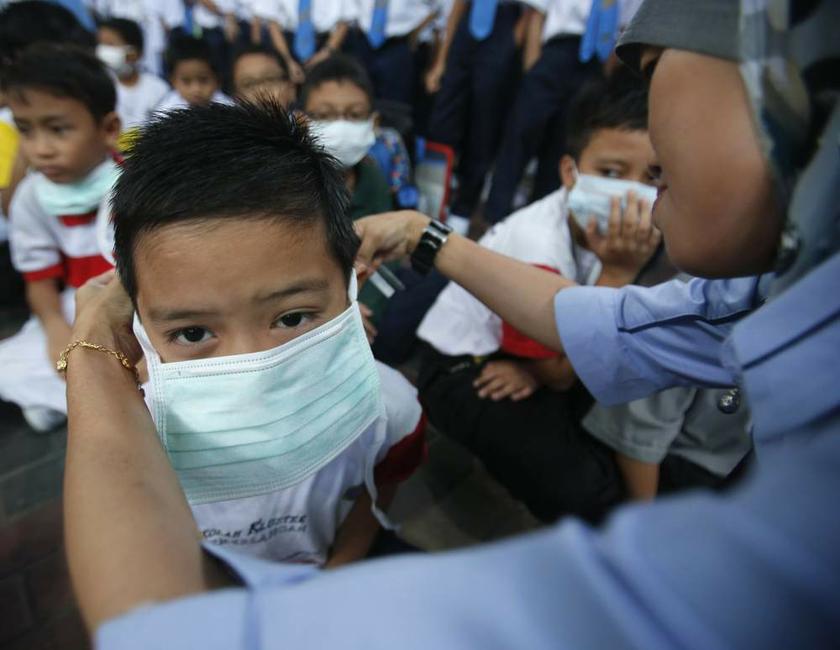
[642, 429]
[753, 569]
[35, 251]
[405, 445]
[631, 342]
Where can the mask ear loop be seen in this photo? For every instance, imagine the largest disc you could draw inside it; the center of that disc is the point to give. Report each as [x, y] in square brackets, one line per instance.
[153, 388]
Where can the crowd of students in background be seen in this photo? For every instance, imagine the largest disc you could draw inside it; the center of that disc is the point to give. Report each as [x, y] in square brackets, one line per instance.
[551, 154]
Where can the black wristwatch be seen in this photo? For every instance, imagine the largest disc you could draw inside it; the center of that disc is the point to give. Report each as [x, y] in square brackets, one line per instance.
[431, 241]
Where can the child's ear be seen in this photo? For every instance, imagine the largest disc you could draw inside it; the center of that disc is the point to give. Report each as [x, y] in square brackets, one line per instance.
[377, 118]
[133, 56]
[567, 171]
[111, 127]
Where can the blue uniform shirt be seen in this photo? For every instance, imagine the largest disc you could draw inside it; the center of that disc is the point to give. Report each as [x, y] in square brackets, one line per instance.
[756, 568]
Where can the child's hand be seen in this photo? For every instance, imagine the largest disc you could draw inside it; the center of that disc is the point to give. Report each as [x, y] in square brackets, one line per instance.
[501, 379]
[296, 73]
[631, 237]
[433, 77]
[104, 315]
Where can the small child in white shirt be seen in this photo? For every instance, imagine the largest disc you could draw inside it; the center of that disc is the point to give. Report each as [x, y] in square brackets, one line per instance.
[138, 93]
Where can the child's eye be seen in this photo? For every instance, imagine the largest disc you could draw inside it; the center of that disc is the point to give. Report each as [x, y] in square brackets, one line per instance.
[610, 173]
[295, 319]
[191, 335]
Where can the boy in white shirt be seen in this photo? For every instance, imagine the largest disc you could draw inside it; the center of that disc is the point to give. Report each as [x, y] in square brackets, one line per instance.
[281, 427]
[305, 32]
[138, 93]
[195, 82]
[63, 102]
[503, 395]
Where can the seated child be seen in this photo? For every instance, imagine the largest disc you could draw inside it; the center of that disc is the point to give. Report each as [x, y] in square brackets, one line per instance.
[260, 72]
[63, 102]
[281, 427]
[676, 439]
[194, 80]
[486, 385]
[138, 93]
[338, 100]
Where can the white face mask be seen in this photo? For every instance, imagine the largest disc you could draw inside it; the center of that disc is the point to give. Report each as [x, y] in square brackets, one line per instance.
[248, 424]
[345, 140]
[591, 195]
[115, 57]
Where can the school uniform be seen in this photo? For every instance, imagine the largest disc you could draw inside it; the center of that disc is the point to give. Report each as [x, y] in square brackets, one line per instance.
[299, 523]
[472, 104]
[173, 100]
[135, 104]
[47, 246]
[381, 43]
[527, 445]
[302, 19]
[537, 120]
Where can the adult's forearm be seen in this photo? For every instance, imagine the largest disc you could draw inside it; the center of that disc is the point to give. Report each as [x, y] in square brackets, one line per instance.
[455, 14]
[520, 293]
[130, 535]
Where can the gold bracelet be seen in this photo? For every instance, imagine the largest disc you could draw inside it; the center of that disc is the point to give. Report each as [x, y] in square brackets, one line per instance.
[61, 364]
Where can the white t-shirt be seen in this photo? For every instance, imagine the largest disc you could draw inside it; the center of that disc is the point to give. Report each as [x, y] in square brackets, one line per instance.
[458, 324]
[402, 18]
[326, 14]
[300, 523]
[44, 246]
[173, 100]
[135, 104]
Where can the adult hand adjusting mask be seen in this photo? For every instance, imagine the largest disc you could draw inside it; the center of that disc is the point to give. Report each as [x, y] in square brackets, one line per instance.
[248, 424]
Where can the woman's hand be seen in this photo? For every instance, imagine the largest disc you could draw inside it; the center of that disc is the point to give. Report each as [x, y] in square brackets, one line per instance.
[104, 315]
[388, 236]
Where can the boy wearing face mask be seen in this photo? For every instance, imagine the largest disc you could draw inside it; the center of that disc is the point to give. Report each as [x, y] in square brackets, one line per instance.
[138, 93]
[285, 434]
[338, 100]
[502, 394]
[63, 101]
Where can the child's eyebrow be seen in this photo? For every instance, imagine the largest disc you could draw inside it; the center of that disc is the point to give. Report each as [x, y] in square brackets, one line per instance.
[302, 286]
[164, 315]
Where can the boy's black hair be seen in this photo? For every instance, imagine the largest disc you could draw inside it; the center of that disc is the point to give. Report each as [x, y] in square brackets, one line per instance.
[188, 48]
[617, 102]
[341, 68]
[255, 48]
[63, 71]
[25, 23]
[128, 30]
[246, 161]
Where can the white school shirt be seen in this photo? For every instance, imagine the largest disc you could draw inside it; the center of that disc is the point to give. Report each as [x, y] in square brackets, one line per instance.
[300, 523]
[458, 324]
[569, 17]
[135, 104]
[173, 100]
[326, 14]
[403, 16]
[44, 246]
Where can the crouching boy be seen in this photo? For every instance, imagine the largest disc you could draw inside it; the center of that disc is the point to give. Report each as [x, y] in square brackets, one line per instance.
[232, 240]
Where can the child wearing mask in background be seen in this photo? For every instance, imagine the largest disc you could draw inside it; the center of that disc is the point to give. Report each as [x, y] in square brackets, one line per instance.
[138, 93]
[194, 80]
[259, 72]
[493, 389]
[63, 101]
[265, 394]
[338, 100]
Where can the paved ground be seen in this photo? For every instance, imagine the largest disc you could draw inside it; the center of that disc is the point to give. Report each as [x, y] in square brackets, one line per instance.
[449, 503]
